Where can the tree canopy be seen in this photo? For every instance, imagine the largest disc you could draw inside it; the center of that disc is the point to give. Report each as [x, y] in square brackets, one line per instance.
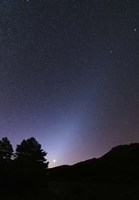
[6, 149]
[25, 168]
[30, 150]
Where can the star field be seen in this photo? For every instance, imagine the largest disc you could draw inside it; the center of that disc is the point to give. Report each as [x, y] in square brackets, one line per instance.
[69, 75]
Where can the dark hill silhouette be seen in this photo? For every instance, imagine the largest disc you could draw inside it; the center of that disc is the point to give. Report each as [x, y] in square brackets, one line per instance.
[121, 163]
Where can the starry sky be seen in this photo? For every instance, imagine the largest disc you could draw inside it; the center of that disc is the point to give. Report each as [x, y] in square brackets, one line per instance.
[69, 75]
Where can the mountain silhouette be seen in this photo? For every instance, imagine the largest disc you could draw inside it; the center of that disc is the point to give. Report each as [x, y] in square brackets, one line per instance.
[121, 163]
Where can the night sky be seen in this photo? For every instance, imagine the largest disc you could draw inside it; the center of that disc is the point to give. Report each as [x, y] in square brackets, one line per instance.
[69, 75]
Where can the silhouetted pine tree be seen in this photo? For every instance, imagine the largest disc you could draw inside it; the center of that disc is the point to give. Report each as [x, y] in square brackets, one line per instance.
[6, 149]
[6, 153]
[30, 163]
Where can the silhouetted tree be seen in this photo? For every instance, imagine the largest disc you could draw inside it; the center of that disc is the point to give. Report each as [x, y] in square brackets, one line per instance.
[30, 162]
[30, 151]
[6, 149]
[6, 153]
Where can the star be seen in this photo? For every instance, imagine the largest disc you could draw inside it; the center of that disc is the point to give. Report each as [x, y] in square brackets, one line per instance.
[111, 51]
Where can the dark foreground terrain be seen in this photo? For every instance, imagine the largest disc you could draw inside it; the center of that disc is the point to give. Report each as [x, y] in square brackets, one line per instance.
[78, 191]
[96, 191]
[114, 176]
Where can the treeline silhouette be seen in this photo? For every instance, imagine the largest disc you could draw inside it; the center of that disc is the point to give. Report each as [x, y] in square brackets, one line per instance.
[24, 169]
[24, 173]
